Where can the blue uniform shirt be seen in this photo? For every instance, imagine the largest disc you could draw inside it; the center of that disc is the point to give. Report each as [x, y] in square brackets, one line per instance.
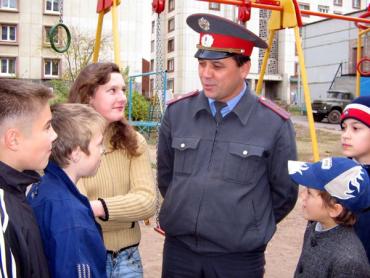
[230, 104]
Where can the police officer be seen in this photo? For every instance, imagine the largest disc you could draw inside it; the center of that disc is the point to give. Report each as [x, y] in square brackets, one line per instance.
[222, 163]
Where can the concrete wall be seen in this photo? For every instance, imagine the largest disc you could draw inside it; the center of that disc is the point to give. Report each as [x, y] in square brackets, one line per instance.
[326, 44]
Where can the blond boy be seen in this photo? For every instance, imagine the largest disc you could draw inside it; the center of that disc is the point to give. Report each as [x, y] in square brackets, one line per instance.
[72, 239]
[26, 137]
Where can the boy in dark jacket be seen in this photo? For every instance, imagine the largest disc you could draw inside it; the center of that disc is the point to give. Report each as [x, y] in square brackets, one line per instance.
[73, 241]
[26, 137]
[335, 190]
[355, 139]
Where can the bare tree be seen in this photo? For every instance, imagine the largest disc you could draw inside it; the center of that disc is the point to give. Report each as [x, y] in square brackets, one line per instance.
[81, 51]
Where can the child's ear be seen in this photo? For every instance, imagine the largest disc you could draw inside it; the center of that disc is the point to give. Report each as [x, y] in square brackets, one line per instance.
[75, 155]
[12, 137]
[335, 211]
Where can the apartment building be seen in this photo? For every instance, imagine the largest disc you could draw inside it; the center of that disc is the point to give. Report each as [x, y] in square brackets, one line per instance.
[178, 44]
[25, 51]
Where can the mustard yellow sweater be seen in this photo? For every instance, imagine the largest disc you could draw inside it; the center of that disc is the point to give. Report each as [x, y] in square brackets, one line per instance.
[127, 187]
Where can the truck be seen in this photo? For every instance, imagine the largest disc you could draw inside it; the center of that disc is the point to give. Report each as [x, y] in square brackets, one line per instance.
[332, 106]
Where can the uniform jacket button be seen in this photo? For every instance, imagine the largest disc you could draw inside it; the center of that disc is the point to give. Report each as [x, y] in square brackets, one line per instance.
[245, 152]
[182, 145]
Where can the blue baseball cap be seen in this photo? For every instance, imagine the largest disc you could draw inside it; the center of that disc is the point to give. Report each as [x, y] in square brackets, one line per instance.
[343, 178]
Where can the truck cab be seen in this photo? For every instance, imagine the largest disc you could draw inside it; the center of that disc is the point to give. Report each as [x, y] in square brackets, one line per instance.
[332, 106]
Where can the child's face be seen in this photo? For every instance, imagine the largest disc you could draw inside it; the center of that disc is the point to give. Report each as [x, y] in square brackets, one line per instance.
[90, 163]
[355, 140]
[36, 142]
[313, 206]
[109, 99]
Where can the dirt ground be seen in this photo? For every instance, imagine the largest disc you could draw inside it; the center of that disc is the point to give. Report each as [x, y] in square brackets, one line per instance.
[284, 249]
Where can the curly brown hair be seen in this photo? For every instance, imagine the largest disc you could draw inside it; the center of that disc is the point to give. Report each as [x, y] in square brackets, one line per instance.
[90, 78]
[345, 218]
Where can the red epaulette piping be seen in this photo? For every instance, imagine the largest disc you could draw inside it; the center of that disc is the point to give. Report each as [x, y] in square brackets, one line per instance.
[183, 96]
[274, 107]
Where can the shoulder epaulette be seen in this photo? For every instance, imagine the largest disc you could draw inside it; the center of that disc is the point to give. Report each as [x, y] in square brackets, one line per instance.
[274, 107]
[182, 96]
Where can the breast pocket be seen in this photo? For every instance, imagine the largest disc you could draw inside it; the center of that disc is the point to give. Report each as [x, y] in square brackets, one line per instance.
[243, 162]
[185, 154]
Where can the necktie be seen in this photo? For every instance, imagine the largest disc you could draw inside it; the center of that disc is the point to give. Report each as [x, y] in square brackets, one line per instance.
[219, 105]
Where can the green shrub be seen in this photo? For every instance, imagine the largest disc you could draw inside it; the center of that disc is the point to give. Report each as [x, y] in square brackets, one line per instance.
[60, 89]
[140, 108]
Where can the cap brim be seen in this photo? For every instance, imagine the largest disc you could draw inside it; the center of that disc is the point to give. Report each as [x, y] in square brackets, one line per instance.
[212, 55]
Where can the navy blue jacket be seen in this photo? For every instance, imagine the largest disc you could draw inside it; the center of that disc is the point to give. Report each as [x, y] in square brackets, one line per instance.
[362, 226]
[72, 239]
[226, 185]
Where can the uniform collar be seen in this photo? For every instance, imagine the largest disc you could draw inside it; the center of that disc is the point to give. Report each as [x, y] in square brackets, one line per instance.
[229, 104]
[243, 109]
[14, 181]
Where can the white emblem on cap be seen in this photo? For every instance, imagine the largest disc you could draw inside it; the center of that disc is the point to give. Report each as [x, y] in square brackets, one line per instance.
[203, 23]
[326, 163]
[340, 186]
[207, 40]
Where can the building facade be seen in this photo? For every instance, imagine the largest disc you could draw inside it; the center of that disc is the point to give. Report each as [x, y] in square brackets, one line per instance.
[177, 43]
[330, 49]
[25, 51]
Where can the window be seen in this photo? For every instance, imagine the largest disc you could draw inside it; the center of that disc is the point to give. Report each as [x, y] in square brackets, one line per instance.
[296, 69]
[323, 9]
[152, 65]
[171, 45]
[356, 4]
[153, 25]
[7, 66]
[171, 24]
[52, 6]
[171, 65]
[338, 2]
[170, 85]
[8, 32]
[214, 6]
[8, 4]
[171, 5]
[46, 36]
[152, 46]
[304, 6]
[51, 68]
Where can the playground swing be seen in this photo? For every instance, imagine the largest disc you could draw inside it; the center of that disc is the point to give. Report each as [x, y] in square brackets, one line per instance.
[156, 107]
[54, 33]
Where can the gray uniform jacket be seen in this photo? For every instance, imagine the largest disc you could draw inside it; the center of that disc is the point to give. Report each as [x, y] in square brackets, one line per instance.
[224, 186]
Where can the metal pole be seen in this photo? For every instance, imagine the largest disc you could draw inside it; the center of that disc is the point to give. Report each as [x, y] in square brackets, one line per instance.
[307, 96]
[98, 37]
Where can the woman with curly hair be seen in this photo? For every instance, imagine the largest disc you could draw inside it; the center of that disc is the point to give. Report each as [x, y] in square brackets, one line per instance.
[122, 192]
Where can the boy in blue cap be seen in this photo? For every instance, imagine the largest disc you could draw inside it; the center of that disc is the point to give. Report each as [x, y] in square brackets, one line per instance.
[355, 139]
[336, 189]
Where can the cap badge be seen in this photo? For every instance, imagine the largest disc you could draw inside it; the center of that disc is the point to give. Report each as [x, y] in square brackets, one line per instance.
[203, 23]
[326, 163]
[207, 40]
